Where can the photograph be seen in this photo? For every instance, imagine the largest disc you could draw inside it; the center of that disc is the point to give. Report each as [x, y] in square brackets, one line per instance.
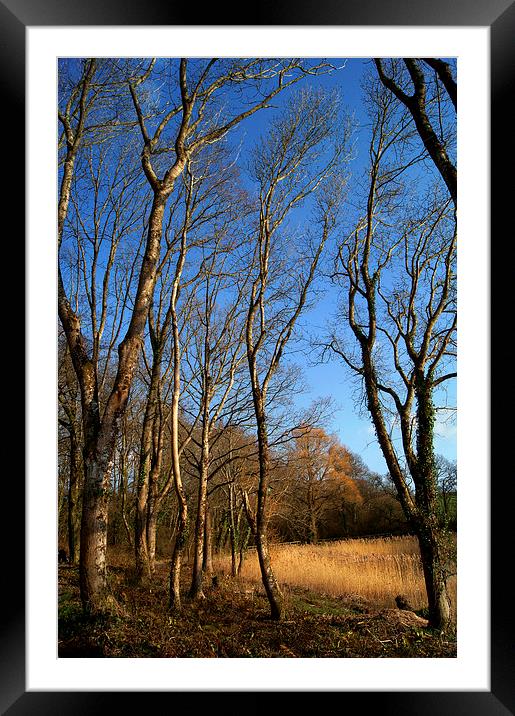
[257, 300]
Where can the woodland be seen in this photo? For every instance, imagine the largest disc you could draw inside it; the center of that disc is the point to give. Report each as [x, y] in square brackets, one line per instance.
[224, 224]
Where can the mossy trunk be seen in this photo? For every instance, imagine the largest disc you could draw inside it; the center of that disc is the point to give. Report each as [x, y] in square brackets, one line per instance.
[175, 602]
[430, 535]
[434, 565]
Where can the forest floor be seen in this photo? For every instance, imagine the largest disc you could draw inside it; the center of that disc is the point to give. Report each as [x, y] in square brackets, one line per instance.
[233, 621]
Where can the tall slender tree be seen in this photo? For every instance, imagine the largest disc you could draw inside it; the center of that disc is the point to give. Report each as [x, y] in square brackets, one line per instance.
[219, 355]
[291, 165]
[397, 270]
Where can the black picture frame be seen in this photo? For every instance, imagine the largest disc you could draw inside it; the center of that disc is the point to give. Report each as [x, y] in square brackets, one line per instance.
[499, 16]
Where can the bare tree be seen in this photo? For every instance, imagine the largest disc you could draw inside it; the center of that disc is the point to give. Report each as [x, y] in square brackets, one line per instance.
[99, 205]
[219, 355]
[194, 207]
[210, 362]
[290, 166]
[436, 140]
[397, 272]
[171, 135]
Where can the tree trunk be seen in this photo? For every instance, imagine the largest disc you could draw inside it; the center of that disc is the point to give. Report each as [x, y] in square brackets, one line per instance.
[270, 584]
[149, 466]
[73, 497]
[313, 528]
[435, 574]
[241, 557]
[93, 542]
[178, 551]
[182, 504]
[140, 523]
[152, 539]
[243, 532]
[422, 513]
[416, 104]
[430, 536]
[344, 523]
[232, 531]
[207, 560]
[123, 487]
[273, 592]
[198, 549]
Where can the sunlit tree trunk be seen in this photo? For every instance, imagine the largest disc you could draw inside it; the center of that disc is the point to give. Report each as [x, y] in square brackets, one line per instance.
[150, 460]
[207, 557]
[140, 525]
[272, 589]
[232, 531]
[182, 520]
[200, 526]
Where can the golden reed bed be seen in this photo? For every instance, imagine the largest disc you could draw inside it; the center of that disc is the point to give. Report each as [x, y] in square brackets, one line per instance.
[374, 569]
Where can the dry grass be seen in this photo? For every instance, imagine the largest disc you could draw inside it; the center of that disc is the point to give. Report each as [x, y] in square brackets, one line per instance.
[373, 569]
